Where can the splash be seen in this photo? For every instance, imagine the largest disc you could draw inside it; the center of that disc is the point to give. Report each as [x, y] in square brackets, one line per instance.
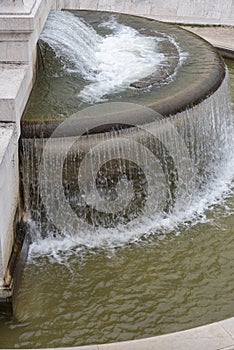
[109, 64]
[210, 151]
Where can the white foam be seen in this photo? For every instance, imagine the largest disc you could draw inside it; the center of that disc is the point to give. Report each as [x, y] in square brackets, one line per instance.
[217, 193]
[109, 64]
[212, 117]
[122, 58]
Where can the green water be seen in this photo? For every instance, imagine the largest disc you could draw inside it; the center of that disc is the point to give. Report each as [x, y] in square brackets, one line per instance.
[160, 286]
[164, 284]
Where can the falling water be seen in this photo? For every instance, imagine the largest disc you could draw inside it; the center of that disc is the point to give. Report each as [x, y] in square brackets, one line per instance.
[108, 189]
[183, 184]
[106, 62]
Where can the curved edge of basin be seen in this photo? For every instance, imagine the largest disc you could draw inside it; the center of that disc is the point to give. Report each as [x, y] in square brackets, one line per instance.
[214, 336]
[168, 101]
[218, 335]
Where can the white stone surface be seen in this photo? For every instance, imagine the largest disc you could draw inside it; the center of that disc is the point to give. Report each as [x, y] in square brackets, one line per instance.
[180, 11]
[9, 190]
[19, 33]
[17, 6]
[15, 87]
[228, 325]
[23, 22]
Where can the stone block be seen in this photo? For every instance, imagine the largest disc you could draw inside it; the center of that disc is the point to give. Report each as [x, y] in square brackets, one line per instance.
[9, 190]
[72, 4]
[139, 7]
[89, 4]
[17, 6]
[104, 5]
[182, 11]
[15, 87]
[19, 33]
[200, 8]
[17, 51]
[164, 8]
[228, 325]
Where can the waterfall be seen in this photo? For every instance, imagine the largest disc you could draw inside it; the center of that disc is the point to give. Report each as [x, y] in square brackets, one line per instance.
[110, 188]
[127, 184]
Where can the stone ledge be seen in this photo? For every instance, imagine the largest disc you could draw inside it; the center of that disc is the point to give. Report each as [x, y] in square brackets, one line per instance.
[220, 37]
[17, 7]
[202, 12]
[8, 191]
[22, 22]
[6, 134]
[15, 87]
[19, 33]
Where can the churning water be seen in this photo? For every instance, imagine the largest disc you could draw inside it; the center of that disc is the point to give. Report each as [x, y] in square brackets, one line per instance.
[110, 63]
[115, 188]
[125, 185]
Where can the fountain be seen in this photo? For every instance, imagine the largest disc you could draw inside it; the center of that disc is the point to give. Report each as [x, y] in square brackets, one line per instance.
[115, 163]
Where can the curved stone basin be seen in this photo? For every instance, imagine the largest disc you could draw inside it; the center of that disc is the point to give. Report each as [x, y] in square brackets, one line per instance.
[198, 75]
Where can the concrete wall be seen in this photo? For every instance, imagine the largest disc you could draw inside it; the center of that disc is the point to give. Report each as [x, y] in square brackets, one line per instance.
[8, 189]
[182, 11]
[20, 25]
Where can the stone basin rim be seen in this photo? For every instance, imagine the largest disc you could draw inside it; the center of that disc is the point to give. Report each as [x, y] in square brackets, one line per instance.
[173, 102]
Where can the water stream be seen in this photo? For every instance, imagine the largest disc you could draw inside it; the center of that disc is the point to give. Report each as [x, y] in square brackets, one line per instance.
[103, 61]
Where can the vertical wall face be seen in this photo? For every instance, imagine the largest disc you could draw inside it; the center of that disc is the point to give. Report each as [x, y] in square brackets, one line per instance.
[21, 22]
[180, 11]
[9, 185]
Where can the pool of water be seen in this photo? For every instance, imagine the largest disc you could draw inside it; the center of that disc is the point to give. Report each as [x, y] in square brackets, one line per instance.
[167, 282]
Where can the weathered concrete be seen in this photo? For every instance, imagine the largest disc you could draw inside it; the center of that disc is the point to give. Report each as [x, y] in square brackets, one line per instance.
[9, 182]
[179, 11]
[21, 22]
[19, 32]
[15, 87]
[17, 6]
